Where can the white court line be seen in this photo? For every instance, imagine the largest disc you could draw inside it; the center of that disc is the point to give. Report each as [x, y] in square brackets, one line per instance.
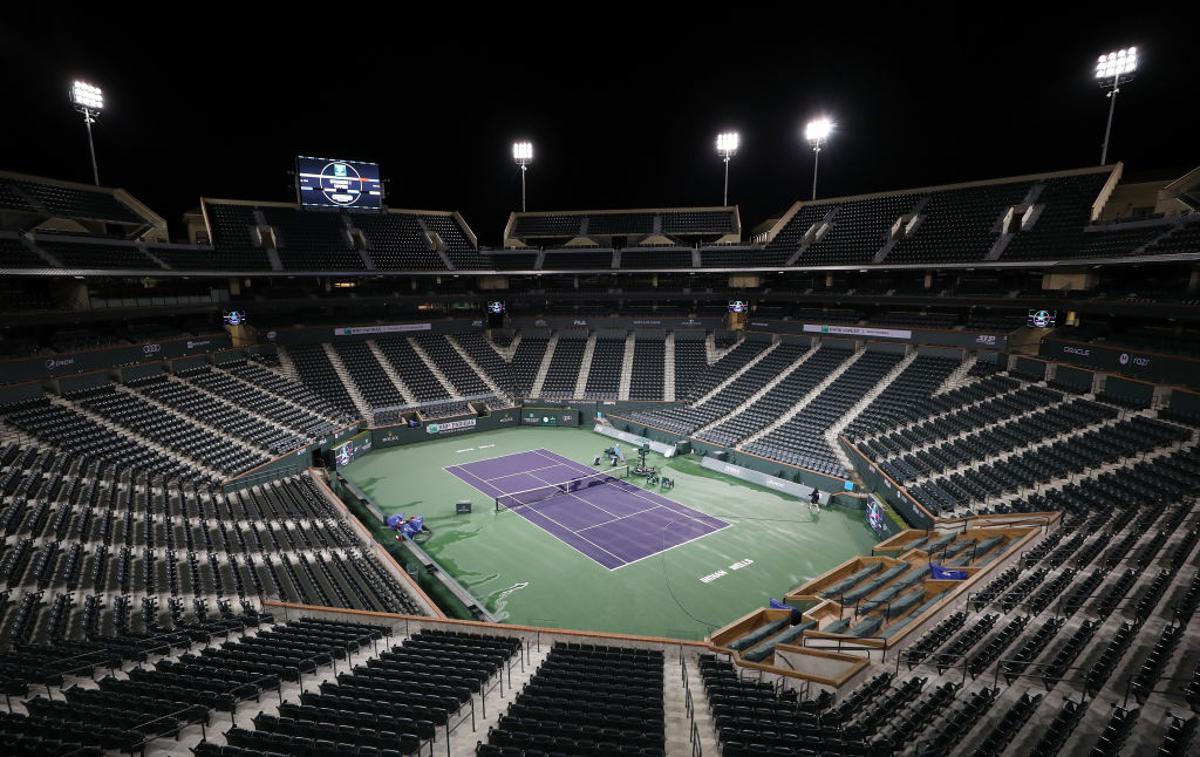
[673, 546]
[656, 505]
[566, 528]
[623, 517]
[639, 494]
[529, 471]
[493, 457]
[576, 496]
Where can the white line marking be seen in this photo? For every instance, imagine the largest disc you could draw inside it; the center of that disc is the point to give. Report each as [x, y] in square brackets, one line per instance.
[460, 451]
[623, 517]
[673, 546]
[564, 527]
[640, 495]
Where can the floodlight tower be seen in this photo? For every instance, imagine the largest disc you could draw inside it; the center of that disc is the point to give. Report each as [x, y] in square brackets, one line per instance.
[817, 133]
[523, 156]
[727, 147]
[1111, 70]
[89, 101]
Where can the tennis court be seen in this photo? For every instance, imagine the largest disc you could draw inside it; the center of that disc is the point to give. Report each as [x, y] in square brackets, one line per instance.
[610, 520]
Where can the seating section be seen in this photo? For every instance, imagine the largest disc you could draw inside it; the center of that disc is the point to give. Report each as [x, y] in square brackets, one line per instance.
[59, 201]
[801, 439]
[232, 235]
[14, 254]
[398, 702]
[487, 359]
[859, 229]
[960, 224]
[1065, 205]
[527, 360]
[397, 242]
[374, 385]
[564, 367]
[646, 382]
[215, 413]
[312, 240]
[130, 410]
[691, 361]
[459, 248]
[581, 260]
[462, 377]
[411, 368]
[779, 399]
[686, 420]
[916, 382]
[317, 373]
[586, 700]
[604, 376]
[96, 255]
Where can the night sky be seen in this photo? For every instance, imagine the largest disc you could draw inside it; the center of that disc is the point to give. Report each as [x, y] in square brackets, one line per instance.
[623, 107]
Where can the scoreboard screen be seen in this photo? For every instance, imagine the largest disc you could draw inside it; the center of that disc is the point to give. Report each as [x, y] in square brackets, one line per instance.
[739, 306]
[1041, 319]
[329, 183]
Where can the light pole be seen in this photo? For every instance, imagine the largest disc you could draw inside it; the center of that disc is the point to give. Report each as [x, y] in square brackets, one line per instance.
[89, 101]
[523, 156]
[727, 147]
[1111, 70]
[817, 132]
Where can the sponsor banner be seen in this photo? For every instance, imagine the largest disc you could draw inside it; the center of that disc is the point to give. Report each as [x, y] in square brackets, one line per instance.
[966, 339]
[391, 328]
[450, 427]
[821, 328]
[566, 322]
[29, 369]
[1146, 366]
[791, 488]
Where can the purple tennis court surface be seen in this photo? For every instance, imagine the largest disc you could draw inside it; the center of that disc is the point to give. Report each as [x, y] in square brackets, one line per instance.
[614, 524]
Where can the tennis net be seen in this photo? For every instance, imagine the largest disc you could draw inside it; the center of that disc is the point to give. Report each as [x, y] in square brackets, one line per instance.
[550, 491]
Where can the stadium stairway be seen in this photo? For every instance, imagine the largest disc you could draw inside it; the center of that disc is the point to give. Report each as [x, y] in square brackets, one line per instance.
[669, 368]
[585, 366]
[544, 368]
[805, 400]
[960, 376]
[389, 370]
[834, 431]
[434, 369]
[627, 367]
[759, 393]
[287, 368]
[737, 374]
[912, 423]
[713, 353]
[482, 374]
[506, 353]
[360, 402]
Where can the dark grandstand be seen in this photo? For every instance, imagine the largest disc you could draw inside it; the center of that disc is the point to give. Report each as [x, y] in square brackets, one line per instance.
[1006, 369]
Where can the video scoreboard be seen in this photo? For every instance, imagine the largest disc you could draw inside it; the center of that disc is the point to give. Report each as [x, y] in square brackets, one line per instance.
[330, 183]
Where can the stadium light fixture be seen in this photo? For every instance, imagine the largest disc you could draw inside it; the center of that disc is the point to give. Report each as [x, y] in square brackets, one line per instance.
[88, 100]
[727, 147]
[817, 132]
[523, 156]
[1111, 70]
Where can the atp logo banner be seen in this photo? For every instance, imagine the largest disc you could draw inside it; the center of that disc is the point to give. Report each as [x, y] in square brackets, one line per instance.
[450, 427]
